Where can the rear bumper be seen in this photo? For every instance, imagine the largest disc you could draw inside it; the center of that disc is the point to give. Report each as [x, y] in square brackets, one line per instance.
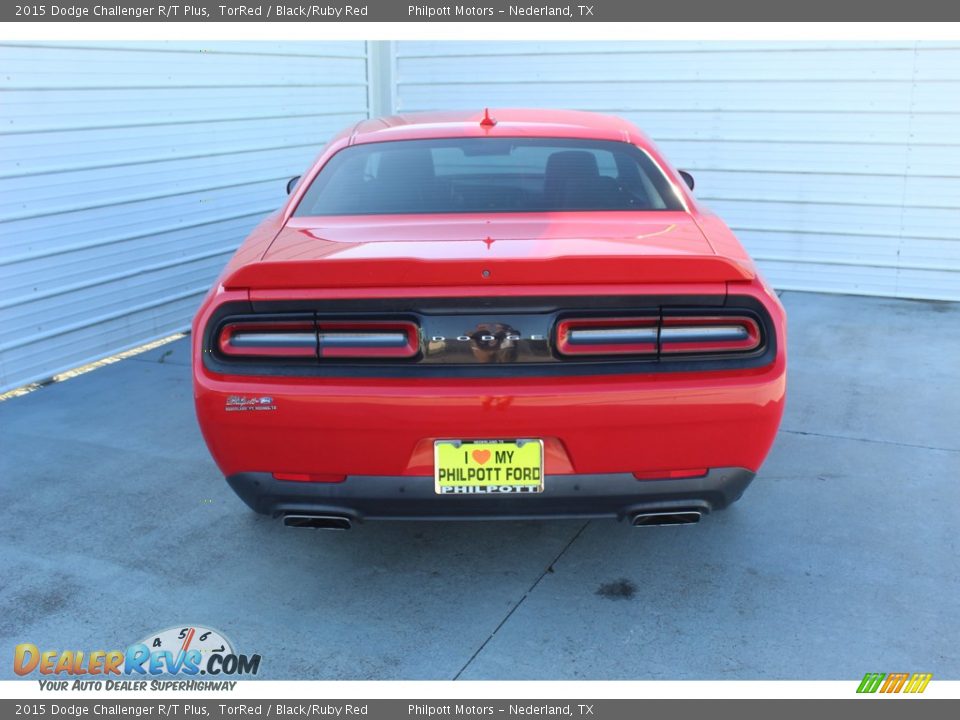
[590, 426]
[564, 496]
[595, 419]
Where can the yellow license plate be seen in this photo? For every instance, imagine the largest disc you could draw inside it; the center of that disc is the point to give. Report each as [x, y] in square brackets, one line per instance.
[487, 466]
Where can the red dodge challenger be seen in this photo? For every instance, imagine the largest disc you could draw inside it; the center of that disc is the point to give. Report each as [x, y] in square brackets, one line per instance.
[497, 314]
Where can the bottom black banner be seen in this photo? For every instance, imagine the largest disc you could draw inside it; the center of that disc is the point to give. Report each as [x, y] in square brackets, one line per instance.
[876, 709]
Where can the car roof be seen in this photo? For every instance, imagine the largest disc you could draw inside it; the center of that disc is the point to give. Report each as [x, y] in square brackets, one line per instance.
[504, 122]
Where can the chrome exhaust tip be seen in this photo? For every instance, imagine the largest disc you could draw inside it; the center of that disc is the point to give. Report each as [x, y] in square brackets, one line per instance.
[318, 522]
[666, 517]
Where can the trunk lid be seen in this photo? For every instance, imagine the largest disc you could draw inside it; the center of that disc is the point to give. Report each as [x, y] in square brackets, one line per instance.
[455, 250]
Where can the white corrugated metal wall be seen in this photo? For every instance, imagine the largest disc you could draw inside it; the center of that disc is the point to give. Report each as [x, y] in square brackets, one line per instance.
[837, 164]
[129, 173]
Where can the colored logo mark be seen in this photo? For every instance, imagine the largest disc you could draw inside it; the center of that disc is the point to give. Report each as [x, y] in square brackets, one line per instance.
[894, 682]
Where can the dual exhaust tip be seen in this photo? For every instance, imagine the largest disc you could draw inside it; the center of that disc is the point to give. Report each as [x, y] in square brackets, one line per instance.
[649, 519]
[318, 522]
[663, 518]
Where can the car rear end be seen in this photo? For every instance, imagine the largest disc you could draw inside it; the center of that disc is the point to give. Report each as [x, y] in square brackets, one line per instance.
[471, 366]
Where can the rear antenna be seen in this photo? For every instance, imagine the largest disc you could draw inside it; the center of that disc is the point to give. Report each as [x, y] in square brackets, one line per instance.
[487, 120]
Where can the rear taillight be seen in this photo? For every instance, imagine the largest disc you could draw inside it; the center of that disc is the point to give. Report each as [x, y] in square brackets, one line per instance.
[607, 336]
[708, 335]
[294, 339]
[362, 339]
[657, 336]
[340, 339]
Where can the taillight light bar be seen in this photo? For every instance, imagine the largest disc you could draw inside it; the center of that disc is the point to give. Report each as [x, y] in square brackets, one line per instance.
[341, 339]
[346, 339]
[607, 336]
[655, 336]
[294, 339]
[708, 334]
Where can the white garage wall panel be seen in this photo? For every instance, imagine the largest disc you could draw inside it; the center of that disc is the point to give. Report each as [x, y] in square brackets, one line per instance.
[838, 165]
[130, 172]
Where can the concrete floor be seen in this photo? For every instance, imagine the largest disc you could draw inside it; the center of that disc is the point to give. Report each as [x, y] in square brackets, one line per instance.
[840, 559]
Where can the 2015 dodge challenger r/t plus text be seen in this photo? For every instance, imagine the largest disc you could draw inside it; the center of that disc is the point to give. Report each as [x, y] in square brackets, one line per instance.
[490, 314]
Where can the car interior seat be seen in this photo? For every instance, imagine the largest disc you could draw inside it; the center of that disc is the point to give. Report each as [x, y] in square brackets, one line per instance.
[572, 180]
[405, 181]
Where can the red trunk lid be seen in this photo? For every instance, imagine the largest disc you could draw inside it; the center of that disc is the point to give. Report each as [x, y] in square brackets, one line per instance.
[451, 250]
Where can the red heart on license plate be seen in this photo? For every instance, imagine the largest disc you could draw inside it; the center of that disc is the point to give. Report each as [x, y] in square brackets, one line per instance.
[481, 456]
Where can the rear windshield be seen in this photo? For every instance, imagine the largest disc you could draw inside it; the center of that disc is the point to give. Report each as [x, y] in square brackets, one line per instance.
[487, 175]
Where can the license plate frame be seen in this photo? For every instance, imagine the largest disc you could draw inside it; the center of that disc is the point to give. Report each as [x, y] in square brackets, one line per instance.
[501, 477]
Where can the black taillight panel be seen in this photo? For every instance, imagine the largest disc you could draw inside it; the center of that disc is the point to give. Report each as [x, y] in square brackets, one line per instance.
[485, 337]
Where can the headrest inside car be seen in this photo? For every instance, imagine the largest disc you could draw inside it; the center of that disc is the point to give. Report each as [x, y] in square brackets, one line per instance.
[399, 165]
